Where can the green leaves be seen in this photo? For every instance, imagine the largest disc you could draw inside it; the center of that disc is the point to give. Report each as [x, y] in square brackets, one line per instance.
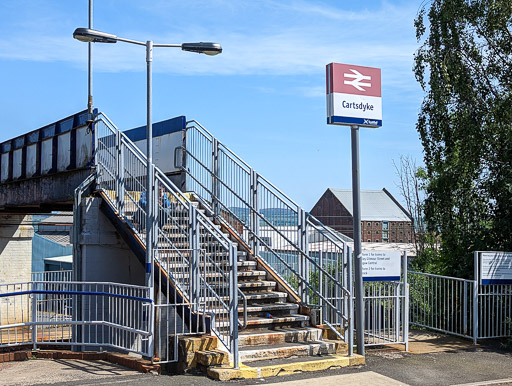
[464, 65]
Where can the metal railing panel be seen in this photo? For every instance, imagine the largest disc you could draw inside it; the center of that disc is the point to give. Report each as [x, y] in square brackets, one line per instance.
[442, 303]
[273, 225]
[187, 244]
[42, 313]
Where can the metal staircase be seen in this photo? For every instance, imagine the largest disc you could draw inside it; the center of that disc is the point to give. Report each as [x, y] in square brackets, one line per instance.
[232, 253]
[306, 258]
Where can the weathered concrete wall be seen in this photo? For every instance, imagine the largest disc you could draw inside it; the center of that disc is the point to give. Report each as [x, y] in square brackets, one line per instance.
[16, 234]
[105, 255]
[46, 190]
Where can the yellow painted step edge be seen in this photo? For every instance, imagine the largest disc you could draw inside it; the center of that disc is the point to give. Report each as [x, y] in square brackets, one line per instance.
[225, 373]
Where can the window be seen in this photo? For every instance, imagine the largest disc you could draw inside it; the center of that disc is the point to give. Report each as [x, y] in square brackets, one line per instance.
[369, 224]
[376, 232]
[267, 240]
[385, 225]
[377, 241]
[401, 241]
[369, 232]
[369, 241]
[392, 241]
[376, 224]
[409, 241]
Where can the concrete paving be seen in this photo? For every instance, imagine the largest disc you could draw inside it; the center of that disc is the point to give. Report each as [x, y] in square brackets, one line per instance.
[434, 359]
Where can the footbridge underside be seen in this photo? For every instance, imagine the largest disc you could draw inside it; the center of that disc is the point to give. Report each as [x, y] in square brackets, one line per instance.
[40, 170]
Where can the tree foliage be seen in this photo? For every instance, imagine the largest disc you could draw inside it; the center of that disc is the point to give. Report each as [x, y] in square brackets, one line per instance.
[411, 184]
[464, 65]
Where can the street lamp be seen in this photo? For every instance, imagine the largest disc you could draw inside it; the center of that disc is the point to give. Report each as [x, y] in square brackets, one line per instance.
[92, 36]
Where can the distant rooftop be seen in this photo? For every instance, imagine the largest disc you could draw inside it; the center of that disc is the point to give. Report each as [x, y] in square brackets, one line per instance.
[376, 205]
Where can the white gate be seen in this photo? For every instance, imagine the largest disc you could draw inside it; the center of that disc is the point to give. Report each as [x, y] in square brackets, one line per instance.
[386, 309]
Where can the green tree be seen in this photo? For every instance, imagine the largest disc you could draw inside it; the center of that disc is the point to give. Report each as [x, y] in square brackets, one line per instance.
[464, 65]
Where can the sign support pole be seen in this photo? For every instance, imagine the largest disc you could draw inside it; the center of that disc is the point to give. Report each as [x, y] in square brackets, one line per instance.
[358, 263]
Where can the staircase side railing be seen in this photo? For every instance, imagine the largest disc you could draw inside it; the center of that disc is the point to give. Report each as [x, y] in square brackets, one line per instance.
[310, 257]
[187, 244]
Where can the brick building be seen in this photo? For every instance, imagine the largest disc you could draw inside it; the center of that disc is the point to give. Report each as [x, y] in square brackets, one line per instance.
[383, 219]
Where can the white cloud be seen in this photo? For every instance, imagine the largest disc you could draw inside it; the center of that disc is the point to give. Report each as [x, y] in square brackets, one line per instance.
[312, 35]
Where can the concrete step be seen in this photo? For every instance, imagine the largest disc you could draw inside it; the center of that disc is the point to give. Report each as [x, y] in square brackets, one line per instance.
[261, 322]
[212, 275]
[178, 264]
[285, 350]
[281, 309]
[259, 297]
[276, 336]
[280, 367]
[260, 284]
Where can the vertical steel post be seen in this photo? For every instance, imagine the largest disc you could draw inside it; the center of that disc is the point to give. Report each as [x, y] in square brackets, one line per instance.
[194, 255]
[34, 319]
[215, 177]
[476, 286]
[350, 288]
[150, 218]
[356, 213]
[465, 308]
[405, 317]
[303, 261]
[233, 307]
[255, 220]
[89, 97]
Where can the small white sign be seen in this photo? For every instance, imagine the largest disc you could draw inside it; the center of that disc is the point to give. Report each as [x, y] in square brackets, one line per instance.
[495, 268]
[381, 265]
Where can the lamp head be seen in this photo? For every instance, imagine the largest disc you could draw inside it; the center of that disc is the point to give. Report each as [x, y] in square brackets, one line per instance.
[202, 48]
[91, 35]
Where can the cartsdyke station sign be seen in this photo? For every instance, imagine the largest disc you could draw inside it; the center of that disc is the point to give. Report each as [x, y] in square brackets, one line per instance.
[353, 95]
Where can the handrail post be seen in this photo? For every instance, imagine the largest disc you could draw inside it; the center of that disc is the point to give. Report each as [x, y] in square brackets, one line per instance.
[233, 307]
[350, 288]
[193, 259]
[119, 174]
[34, 319]
[302, 244]
[254, 220]
[215, 177]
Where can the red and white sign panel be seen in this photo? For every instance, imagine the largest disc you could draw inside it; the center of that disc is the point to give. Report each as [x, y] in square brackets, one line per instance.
[353, 95]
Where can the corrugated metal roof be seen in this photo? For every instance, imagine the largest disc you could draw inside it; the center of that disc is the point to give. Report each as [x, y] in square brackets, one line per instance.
[58, 218]
[62, 238]
[376, 205]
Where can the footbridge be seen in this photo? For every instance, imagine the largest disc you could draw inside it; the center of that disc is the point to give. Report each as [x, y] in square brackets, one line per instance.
[234, 258]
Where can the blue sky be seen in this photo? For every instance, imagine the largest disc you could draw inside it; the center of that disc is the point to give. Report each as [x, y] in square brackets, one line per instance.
[264, 96]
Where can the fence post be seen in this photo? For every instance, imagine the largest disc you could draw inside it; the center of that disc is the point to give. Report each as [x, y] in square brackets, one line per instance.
[194, 250]
[303, 263]
[465, 308]
[255, 220]
[475, 300]
[33, 296]
[233, 307]
[350, 288]
[215, 176]
[405, 315]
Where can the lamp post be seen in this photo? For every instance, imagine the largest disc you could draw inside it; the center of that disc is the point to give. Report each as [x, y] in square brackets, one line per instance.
[92, 36]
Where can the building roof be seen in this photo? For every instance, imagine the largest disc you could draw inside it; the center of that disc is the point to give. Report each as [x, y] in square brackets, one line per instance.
[376, 205]
[60, 259]
[62, 238]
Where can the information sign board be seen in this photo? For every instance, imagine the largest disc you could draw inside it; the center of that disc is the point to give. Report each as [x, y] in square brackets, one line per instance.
[353, 95]
[381, 265]
[495, 268]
